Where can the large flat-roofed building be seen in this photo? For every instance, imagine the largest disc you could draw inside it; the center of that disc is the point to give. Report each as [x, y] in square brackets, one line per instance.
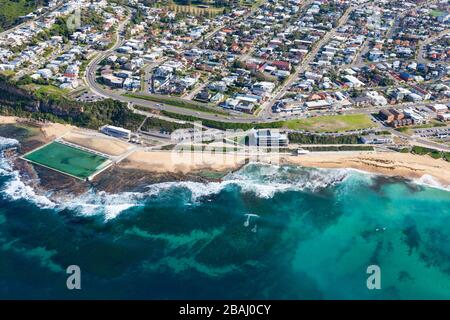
[112, 81]
[268, 138]
[116, 132]
[375, 139]
[317, 105]
[415, 116]
[444, 117]
[353, 81]
[439, 108]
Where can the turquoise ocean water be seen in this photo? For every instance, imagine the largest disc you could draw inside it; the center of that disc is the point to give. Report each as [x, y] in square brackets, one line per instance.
[313, 236]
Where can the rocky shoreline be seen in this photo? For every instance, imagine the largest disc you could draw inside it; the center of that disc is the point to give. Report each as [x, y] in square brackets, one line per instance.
[138, 172]
[116, 179]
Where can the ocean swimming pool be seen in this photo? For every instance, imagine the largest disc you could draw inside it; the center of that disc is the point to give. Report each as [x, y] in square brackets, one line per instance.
[68, 160]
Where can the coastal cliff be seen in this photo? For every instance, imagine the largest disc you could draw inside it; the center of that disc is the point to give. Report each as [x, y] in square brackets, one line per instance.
[16, 101]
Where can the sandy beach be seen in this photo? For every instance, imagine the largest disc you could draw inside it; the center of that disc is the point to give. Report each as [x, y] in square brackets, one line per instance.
[405, 165]
[8, 120]
[171, 162]
[386, 163]
[55, 130]
[98, 142]
[49, 131]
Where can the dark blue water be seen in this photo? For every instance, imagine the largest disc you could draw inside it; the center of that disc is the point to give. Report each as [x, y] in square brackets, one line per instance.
[315, 233]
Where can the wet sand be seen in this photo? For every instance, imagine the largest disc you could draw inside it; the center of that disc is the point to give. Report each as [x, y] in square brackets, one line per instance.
[133, 172]
[403, 165]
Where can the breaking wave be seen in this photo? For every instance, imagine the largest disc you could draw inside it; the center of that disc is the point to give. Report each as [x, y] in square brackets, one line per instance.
[261, 180]
[15, 188]
[6, 143]
[264, 184]
[431, 182]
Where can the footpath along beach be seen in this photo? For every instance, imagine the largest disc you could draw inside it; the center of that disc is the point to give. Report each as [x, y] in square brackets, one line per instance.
[403, 165]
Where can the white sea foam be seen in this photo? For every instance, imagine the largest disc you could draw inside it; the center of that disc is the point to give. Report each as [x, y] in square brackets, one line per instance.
[5, 166]
[8, 143]
[95, 203]
[263, 181]
[429, 181]
[16, 189]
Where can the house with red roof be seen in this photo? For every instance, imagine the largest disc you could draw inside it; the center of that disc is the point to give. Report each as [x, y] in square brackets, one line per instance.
[282, 65]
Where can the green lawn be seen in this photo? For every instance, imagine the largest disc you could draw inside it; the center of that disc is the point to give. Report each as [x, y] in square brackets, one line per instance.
[46, 90]
[71, 161]
[11, 10]
[52, 90]
[176, 102]
[337, 123]
[7, 73]
[436, 13]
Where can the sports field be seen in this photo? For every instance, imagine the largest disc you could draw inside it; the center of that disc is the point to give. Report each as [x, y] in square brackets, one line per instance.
[337, 123]
[69, 160]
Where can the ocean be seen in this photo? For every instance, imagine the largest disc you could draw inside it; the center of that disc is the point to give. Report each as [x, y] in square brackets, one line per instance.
[264, 232]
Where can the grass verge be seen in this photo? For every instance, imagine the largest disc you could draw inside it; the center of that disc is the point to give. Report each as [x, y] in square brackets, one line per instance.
[176, 102]
[339, 123]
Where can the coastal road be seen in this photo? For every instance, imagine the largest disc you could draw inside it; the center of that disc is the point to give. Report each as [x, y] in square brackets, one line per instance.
[91, 69]
[414, 140]
[264, 117]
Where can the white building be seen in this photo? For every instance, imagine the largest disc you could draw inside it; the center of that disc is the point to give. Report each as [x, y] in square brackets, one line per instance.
[267, 138]
[116, 132]
[414, 115]
[376, 98]
[45, 73]
[439, 108]
[353, 81]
